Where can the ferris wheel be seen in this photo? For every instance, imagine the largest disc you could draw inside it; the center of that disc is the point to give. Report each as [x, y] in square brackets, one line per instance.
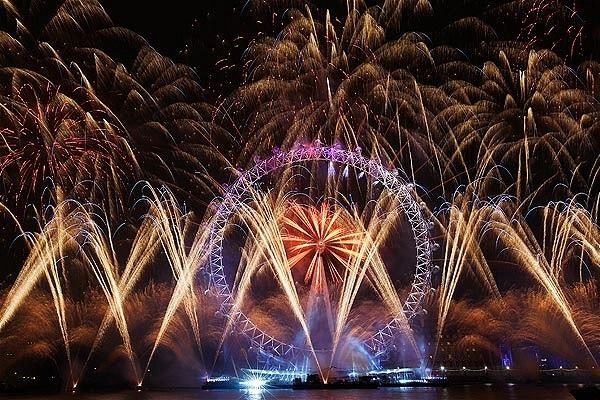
[249, 180]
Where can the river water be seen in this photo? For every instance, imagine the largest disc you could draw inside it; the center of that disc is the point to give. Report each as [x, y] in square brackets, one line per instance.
[469, 392]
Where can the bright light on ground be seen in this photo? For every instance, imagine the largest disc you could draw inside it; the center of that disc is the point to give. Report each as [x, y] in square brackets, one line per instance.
[254, 383]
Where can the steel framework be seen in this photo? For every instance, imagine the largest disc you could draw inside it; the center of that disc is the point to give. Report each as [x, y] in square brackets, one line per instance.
[391, 180]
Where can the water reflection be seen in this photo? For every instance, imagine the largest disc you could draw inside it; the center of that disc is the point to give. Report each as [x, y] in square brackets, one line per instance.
[254, 393]
[467, 392]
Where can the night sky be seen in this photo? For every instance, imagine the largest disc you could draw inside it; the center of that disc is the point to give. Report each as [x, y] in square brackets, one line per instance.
[168, 27]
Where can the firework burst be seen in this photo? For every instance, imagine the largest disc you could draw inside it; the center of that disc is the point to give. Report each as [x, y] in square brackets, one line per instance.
[319, 242]
[50, 139]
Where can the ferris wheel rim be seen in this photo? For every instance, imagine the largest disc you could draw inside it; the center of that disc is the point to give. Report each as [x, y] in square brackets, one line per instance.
[390, 179]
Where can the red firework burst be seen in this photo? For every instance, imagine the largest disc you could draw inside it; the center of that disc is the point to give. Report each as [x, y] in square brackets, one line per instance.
[320, 242]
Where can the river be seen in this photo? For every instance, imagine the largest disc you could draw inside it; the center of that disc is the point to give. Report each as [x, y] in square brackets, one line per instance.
[467, 392]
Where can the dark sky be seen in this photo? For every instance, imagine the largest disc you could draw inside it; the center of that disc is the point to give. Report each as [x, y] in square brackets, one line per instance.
[166, 25]
[169, 25]
[200, 34]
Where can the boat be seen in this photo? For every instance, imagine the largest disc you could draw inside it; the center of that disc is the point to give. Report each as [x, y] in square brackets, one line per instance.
[591, 392]
[221, 383]
[417, 383]
[313, 382]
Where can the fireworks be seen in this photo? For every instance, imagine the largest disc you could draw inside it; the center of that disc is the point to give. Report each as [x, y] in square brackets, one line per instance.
[564, 26]
[318, 241]
[49, 139]
[276, 217]
[76, 116]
